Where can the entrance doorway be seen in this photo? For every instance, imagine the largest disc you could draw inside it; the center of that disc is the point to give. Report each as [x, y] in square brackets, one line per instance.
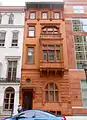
[27, 99]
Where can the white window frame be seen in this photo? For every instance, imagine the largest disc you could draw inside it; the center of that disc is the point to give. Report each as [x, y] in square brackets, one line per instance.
[78, 9]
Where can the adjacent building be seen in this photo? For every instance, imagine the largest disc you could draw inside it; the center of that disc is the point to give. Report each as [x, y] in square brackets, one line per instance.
[76, 35]
[11, 40]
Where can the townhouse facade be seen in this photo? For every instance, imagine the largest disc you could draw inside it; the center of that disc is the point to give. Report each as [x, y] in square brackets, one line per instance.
[54, 52]
[11, 40]
[45, 79]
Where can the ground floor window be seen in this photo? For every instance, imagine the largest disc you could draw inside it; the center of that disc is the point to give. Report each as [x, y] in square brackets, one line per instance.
[9, 99]
[84, 92]
[51, 93]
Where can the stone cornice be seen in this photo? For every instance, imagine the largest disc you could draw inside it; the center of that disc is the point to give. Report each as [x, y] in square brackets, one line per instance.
[11, 26]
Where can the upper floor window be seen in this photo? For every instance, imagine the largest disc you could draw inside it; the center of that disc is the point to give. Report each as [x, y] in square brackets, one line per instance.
[44, 15]
[0, 18]
[80, 43]
[2, 38]
[78, 9]
[51, 93]
[50, 30]
[9, 99]
[30, 55]
[56, 15]
[15, 38]
[51, 53]
[12, 69]
[11, 19]
[31, 31]
[79, 25]
[32, 15]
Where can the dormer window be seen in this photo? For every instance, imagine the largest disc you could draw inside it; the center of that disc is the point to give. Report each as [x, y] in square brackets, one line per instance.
[50, 30]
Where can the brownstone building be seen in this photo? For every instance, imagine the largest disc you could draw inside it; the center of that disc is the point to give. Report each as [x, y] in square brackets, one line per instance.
[54, 50]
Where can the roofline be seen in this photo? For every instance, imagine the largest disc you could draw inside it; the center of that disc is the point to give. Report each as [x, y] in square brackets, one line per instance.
[50, 4]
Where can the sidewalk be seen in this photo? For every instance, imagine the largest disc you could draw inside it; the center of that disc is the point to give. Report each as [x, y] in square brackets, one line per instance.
[76, 117]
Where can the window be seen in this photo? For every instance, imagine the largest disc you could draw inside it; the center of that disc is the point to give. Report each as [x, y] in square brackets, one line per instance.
[78, 9]
[32, 15]
[9, 99]
[30, 57]
[50, 30]
[51, 53]
[31, 32]
[44, 15]
[80, 43]
[0, 18]
[51, 93]
[15, 39]
[2, 38]
[56, 15]
[11, 19]
[79, 25]
[12, 69]
[84, 92]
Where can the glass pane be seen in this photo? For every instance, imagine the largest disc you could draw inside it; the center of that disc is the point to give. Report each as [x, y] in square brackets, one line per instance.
[79, 47]
[56, 95]
[51, 55]
[6, 100]
[56, 15]
[80, 64]
[46, 96]
[12, 95]
[45, 55]
[85, 39]
[32, 15]
[57, 54]
[30, 59]
[7, 95]
[31, 33]
[51, 96]
[80, 56]
[51, 86]
[78, 39]
[6, 106]
[44, 15]
[51, 47]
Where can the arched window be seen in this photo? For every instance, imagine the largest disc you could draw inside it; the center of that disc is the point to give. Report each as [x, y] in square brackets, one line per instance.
[0, 18]
[11, 19]
[9, 99]
[50, 30]
[51, 93]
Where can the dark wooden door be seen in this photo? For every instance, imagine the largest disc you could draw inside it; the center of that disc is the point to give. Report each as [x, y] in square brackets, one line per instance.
[27, 100]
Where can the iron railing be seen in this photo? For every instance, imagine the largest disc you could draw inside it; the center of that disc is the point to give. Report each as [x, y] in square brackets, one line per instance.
[15, 80]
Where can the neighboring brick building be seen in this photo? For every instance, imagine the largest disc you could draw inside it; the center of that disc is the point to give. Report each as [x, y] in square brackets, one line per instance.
[45, 81]
[76, 35]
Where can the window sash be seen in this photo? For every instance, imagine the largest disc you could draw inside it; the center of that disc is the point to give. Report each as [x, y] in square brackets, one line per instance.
[31, 32]
[51, 53]
[80, 44]
[56, 15]
[44, 15]
[30, 57]
[51, 93]
[9, 101]
[12, 69]
[32, 15]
